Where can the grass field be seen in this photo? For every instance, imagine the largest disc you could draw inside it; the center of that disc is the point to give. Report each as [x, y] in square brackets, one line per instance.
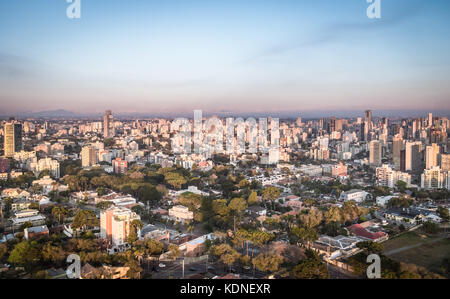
[420, 249]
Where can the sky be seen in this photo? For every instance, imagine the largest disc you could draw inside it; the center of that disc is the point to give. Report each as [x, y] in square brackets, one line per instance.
[246, 56]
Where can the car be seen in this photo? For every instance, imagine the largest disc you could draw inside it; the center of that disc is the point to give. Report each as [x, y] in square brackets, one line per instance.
[161, 265]
[247, 268]
[192, 269]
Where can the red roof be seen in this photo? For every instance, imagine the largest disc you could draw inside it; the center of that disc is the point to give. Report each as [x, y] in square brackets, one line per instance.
[360, 231]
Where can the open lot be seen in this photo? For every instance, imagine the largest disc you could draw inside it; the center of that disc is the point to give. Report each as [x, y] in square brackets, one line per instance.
[420, 249]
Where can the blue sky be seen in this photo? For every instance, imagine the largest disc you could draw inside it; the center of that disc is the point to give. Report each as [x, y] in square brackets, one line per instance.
[233, 56]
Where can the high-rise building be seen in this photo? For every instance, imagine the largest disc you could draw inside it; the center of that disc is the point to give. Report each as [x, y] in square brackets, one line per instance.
[4, 165]
[387, 177]
[434, 178]
[413, 158]
[13, 138]
[445, 162]
[375, 153]
[120, 166]
[88, 156]
[430, 119]
[397, 150]
[432, 156]
[108, 124]
[367, 123]
[115, 224]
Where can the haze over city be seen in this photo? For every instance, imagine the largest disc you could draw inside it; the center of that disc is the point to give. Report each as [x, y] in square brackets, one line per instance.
[246, 57]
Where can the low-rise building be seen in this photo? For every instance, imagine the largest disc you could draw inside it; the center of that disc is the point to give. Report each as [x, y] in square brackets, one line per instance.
[181, 213]
[355, 195]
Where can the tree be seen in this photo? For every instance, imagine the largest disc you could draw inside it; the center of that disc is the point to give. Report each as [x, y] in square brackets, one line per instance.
[237, 205]
[311, 268]
[3, 251]
[401, 186]
[253, 198]
[153, 247]
[226, 254]
[24, 254]
[332, 215]
[371, 247]
[267, 262]
[84, 219]
[307, 235]
[443, 213]
[271, 193]
[53, 254]
[135, 226]
[104, 205]
[243, 184]
[312, 219]
[59, 212]
[431, 227]
[174, 251]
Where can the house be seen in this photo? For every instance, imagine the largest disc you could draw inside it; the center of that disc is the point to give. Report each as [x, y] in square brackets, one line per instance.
[404, 216]
[368, 232]
[196, 247]
[15, 193]
[383, 200]
[335, 247]
[35, 232]
[257, 211]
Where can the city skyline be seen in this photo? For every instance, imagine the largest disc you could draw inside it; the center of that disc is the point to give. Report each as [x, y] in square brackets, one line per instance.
[224, 57]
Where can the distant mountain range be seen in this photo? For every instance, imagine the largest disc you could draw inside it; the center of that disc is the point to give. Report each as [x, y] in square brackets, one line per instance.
[65, 114]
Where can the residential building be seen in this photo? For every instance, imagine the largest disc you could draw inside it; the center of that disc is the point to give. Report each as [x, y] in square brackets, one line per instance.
[432, 156]
[12, 138]
[88, 156]
[434, 178]
[46, 164]
[120, 166]
[375, 153]
[181, 213]
[115, 224]
[388, 177]
[108, 124]
[355, 195]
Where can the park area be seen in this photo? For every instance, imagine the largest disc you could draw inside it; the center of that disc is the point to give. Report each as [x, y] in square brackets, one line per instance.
[419, 248]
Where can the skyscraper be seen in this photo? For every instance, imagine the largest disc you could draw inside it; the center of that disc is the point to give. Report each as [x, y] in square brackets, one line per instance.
[432, 156]
[88, 156]
[108, 129]
[367, 123]
[375, 153]
[13, 138]
[397, 149]
[430, 119]
[445, 162]
[413, 159]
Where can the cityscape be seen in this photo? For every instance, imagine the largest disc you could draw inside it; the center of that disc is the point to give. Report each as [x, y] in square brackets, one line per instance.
[114, 193]
[253, 142]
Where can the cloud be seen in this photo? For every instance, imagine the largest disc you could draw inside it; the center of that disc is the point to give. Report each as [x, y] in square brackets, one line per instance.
[336, 31]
